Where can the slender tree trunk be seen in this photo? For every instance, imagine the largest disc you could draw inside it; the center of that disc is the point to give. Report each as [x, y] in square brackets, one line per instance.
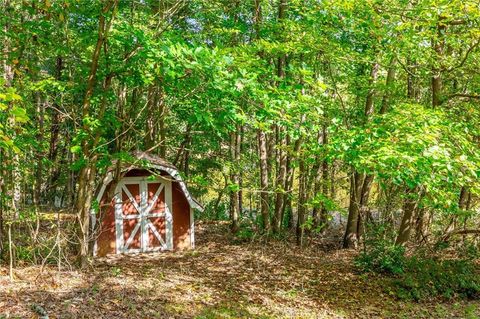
[388, 86]
[290, 173]
[40, 107]
[10, 252]
[151, 133]
[280, 184]
[420, 225]
[436, 88]
[161, 125]
[234, 198]
[369, 105]
[321, 182]
[257, 18]
[183, 146]
[350, 239]
[300, 231]
[364, 199]
[7, 77]
[438, 46]
[360, 185]
[87, 172]
[325, 181]
[240, 174]
[54, 171]
[5, 173]
[316, 177]
[264, 197]
[186, 159]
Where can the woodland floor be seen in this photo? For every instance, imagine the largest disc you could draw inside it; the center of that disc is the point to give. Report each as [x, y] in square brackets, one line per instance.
[221, 278]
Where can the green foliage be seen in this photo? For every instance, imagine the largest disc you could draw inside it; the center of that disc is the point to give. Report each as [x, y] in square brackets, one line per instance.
[469, 250]
[420, 276]
[414, 146]
[426, 278]
[382, 256]
[12, 116]
[246, 232]
[212, 212]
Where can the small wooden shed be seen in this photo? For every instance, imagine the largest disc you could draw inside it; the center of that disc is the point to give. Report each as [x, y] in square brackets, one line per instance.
[149, 209]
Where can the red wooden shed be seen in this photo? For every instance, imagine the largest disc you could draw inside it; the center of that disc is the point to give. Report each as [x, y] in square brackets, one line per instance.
[149, 209]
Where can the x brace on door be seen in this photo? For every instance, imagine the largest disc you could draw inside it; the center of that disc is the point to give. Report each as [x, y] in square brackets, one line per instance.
[144, 209]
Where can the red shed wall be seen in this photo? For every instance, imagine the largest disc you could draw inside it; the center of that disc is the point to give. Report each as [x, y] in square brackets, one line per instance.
[181, 218]
[106, 240]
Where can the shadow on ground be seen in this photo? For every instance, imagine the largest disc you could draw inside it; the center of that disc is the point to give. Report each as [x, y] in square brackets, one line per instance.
[220, 279]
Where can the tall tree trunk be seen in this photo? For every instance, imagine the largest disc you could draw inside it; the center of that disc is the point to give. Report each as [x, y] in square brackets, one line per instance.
[186, 158]
[281, 140]
[54, 171]
[412, 81]
[183, 146]
[40, 108]
[240, 174]
[388, 86]
[87, 172]
[280, 183]
[300, 229]
[438, 46]
[325, 181]
[257, 18]
[263, 147]
[321, 182]
[3, 174]
[151, 133]
[234, 198]
[264, 197]
[360, 185]
[350, 239]
[161, 125]
[364, 199]
[369, 105]
[316, 180]
[155, 122]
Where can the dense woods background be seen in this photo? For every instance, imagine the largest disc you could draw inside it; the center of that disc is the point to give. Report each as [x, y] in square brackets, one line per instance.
[283, 116]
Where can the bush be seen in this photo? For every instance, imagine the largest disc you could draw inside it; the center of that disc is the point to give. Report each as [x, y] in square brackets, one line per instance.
[420, 277]
[428, 277]
[382, 257]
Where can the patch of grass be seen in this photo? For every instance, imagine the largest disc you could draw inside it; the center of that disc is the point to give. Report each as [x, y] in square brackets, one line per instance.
[115, 271]
[472, 312]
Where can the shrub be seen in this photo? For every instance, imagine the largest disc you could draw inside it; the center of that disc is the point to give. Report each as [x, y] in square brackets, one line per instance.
[428, 277]
[421, 277]
[382, 257]
[245, 232]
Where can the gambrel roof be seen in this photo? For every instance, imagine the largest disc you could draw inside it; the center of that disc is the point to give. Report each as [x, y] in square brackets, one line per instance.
[144, 160]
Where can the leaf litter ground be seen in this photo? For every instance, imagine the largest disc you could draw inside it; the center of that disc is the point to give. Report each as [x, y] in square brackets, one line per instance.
[221, 278]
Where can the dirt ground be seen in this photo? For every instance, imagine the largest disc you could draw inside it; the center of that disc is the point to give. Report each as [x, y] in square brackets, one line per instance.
[221, 278]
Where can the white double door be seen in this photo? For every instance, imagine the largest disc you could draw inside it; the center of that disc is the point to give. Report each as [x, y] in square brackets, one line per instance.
[143, 214]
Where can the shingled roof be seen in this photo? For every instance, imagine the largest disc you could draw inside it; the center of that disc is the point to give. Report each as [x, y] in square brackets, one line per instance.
[145, 160]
